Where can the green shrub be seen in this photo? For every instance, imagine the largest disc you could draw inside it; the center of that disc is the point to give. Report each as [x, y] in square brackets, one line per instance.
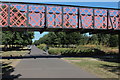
[82, 52]
[57, 51]
[42, 46]
[79, 51]
[73, 51]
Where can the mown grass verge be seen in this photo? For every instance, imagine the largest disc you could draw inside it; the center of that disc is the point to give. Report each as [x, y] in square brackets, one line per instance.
[97, 59]
[14, 53]
[102, 69]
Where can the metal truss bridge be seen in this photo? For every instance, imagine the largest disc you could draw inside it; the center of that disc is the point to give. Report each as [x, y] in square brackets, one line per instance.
[22, 16]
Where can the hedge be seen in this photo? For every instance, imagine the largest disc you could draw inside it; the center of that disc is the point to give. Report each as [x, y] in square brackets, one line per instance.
[75, 51]
[42, 46]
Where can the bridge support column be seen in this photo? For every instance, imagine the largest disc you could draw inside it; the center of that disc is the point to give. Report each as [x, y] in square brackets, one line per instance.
[119, 42]
[118, 57]
[0, 51]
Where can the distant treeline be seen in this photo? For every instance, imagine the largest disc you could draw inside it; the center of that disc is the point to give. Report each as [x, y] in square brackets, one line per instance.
[75, 38]
[12, 39]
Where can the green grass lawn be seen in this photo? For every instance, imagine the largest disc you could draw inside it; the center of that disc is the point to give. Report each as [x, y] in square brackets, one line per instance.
[14, 53]
[100, 68]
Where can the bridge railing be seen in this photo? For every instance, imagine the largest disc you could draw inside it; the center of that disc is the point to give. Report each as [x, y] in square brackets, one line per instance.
[35, 15]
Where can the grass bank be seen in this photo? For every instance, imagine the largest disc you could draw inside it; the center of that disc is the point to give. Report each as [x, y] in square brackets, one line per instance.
[100, 68]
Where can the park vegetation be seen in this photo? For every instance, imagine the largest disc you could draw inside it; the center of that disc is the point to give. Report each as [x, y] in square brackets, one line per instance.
[16, 39]
[96, 53]
[76, 44]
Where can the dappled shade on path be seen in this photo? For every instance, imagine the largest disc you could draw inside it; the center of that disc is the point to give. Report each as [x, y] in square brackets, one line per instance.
[7, 70]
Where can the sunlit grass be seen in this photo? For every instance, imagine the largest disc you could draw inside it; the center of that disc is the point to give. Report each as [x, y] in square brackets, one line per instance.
[102, 69]
[101, 47]
[14, 53]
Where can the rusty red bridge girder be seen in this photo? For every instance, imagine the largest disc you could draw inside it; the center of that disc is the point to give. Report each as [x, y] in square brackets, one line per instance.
[21, 16]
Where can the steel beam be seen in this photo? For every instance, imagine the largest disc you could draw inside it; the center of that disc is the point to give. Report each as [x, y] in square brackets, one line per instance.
[27, 15]
[62, 17]
[46, 17]
[107, 19]
[69, 13]
[78, 18]
[8, 14]
[46, 27]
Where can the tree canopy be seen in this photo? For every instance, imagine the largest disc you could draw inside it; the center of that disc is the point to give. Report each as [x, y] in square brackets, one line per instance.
[75, 38]
[17, 38]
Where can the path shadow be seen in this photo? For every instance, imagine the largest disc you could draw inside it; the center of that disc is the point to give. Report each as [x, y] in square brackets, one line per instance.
[106, 56]
[7, 70]
[109, 58]
[113, 69]
[101, 55]
[112, 58]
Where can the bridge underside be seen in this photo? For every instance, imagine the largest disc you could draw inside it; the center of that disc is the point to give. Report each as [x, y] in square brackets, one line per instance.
[19, 16]
[91, 31]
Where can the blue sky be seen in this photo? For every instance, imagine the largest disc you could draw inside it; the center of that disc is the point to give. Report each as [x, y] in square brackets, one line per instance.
[93, 3]
[63, 0]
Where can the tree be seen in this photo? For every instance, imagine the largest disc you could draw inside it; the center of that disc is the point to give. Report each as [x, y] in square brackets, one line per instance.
[113, 41]
[61, 38]
[93, 39]
[17, 38]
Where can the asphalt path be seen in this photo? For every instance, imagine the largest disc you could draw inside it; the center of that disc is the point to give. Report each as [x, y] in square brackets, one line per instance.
[48, 67]
[36, 52]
